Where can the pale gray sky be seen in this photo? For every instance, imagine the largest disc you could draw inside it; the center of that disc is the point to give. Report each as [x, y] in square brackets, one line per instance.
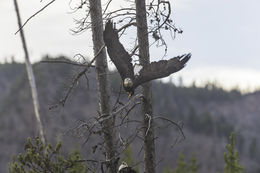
[223, 37]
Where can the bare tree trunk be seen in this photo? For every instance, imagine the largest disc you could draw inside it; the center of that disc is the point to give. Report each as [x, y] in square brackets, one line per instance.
[30, 77]
[147, 110]
[103, 86]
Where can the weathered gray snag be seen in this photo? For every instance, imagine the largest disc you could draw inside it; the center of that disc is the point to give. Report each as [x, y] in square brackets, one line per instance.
[147, 109]
[30, 77]
[103, 86]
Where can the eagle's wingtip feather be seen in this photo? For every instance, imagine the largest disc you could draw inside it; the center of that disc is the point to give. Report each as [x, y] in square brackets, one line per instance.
[185, 58]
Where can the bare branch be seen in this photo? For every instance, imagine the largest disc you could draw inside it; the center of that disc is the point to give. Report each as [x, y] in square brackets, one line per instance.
[34, 15]
[149, 123]
[129, 110]
[118, 97]
[75, 80]
[107, 6]
[105, 117]
[126, 26]
[172, 122]
[134, 50]
[66, 62]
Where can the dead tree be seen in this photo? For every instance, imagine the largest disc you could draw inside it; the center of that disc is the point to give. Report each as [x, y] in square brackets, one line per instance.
[103, 85]
[30, 77]
[147, 109]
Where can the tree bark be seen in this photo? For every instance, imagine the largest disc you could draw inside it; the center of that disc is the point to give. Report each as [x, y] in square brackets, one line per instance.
[147, 110]
[30, 77]
[103, 86]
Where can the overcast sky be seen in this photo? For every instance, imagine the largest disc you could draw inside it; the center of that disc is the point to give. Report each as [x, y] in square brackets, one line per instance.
[223, 37]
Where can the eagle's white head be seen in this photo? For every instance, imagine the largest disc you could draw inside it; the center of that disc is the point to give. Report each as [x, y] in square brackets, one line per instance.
[122, 166]
[128, 83]
[129, 86]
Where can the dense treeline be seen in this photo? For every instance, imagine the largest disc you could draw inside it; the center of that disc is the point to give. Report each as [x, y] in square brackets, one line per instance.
[207, 113]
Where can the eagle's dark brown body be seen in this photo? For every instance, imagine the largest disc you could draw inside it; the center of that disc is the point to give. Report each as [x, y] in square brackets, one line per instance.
[123, 62]
[127, 170]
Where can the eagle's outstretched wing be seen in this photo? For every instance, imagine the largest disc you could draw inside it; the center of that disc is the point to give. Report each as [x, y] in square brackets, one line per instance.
[117, 52]
[161, 69]
[122, 61]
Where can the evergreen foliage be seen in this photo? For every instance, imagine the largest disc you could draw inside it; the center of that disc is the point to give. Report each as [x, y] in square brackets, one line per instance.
[232, 164]
[193, 166]
[167, 170]
[39, 158]
[182, 166]
[128, 158]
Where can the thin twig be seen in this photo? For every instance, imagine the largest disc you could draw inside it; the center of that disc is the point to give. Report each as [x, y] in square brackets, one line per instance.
[118, 98]
[66, 62]
[75, 80]
[134, 50]
[149, 123]
[34, 15]
[129, 110]
[126, 25]
[106, 117]
[174, 123]
[107, 7]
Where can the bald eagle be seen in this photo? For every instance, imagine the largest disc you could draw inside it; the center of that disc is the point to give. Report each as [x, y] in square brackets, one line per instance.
[123, 62]
[124, 168]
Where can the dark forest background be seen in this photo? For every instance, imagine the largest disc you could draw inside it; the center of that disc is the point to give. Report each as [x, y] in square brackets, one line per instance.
[208, 115]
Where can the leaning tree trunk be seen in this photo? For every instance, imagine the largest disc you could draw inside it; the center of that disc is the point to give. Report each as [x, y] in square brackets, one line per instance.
[30, 77]
[103, 86]
[147, 110]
